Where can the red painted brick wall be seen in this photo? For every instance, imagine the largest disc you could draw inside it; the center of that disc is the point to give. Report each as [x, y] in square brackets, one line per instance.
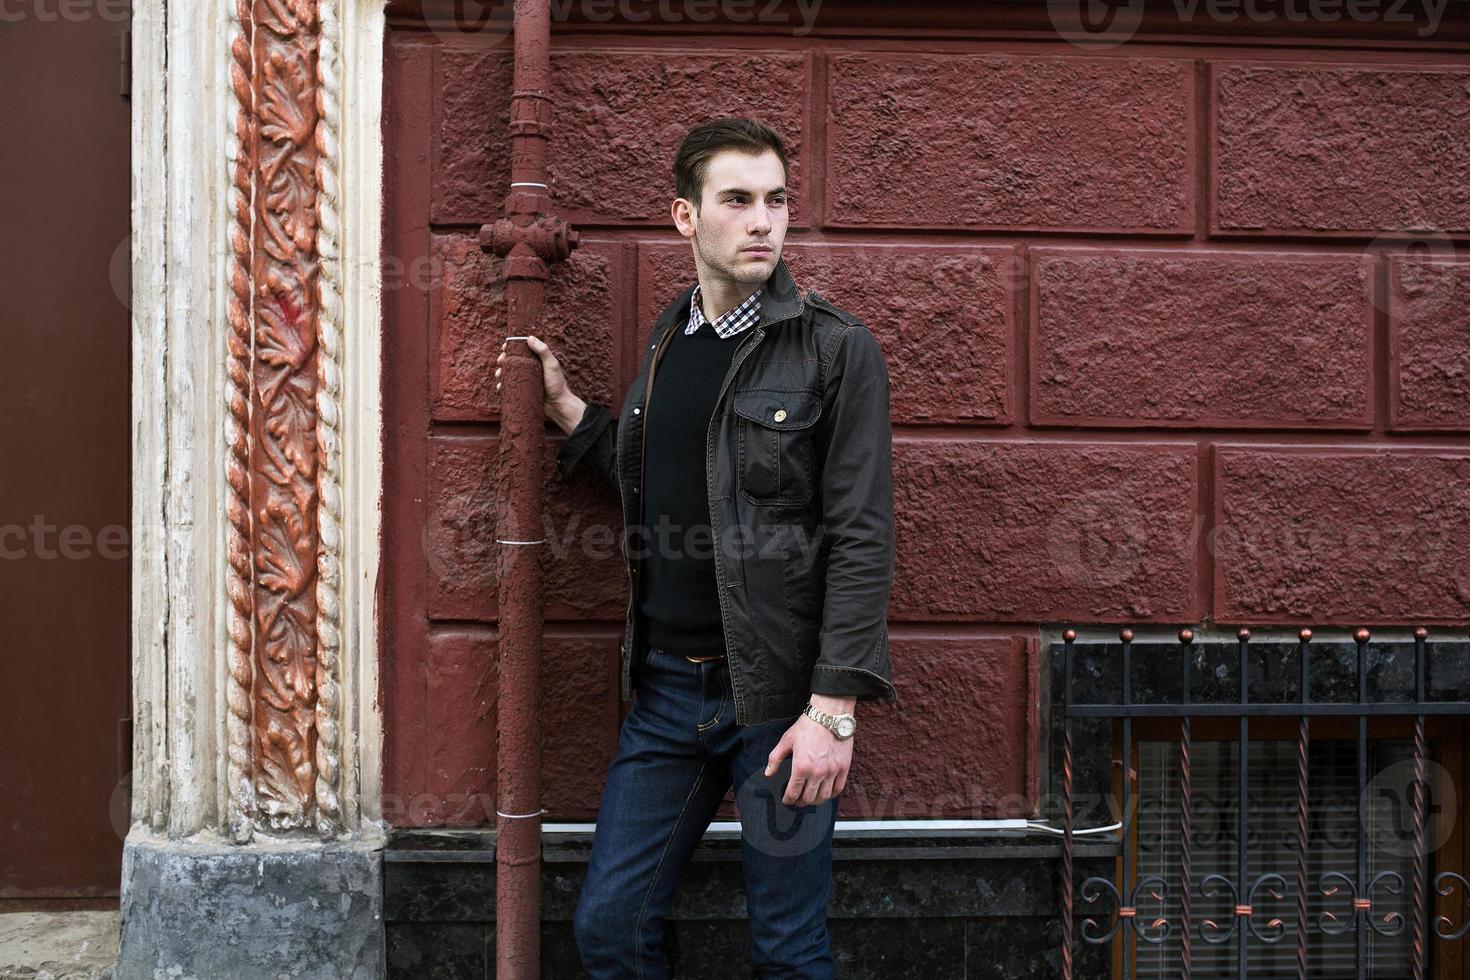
[1155, 358]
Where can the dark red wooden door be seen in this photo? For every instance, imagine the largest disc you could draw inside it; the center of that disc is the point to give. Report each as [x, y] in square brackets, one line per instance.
[64, 450]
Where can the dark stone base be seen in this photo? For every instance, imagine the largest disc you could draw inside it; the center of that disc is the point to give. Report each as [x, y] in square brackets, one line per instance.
[951, 908]
[267, 910]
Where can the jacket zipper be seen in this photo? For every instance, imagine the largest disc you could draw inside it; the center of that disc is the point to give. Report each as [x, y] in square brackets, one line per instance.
[740, 356]
[709, 458]
[628, 653]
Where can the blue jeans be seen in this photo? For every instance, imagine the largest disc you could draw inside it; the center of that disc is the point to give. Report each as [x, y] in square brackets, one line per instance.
[679, 751]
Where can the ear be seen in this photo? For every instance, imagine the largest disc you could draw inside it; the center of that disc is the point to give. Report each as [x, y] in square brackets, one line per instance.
[684, 217]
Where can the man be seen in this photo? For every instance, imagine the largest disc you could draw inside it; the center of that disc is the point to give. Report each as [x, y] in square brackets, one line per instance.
[758, 434]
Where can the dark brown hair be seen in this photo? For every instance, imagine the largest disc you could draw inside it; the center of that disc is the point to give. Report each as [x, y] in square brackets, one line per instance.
[712, 137]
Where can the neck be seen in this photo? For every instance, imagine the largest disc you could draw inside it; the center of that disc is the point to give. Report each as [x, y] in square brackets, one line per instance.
[719, 295]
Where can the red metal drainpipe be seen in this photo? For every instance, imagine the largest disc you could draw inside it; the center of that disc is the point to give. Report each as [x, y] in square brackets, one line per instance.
[528, 239]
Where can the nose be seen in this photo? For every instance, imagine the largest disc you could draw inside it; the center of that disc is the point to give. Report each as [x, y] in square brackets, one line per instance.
[760, 219]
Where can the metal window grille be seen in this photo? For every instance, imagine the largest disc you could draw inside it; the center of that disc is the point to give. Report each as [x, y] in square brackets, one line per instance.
[1261, 831]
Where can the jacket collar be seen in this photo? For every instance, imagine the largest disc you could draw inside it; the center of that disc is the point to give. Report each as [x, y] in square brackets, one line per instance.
[782, 299]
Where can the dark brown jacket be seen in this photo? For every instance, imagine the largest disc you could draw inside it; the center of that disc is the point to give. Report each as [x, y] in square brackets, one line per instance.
[799, 472]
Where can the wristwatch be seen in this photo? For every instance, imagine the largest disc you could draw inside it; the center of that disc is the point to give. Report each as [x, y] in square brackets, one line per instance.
[843, 726]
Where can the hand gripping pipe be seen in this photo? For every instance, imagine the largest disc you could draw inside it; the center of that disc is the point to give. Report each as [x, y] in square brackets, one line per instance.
[528, 239]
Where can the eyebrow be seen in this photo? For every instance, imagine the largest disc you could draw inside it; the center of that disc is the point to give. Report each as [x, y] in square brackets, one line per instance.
[742, 190]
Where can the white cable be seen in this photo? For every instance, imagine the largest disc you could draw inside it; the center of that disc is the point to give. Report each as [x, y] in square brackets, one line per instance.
[1035, 825]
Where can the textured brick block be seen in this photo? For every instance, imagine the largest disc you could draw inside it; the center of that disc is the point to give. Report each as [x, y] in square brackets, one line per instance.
[942, 315]
[962, 742]
[579, 722]
[581, 320]
[618, 119]
[664, 271]
[1316, 148]
[1352, 537]
[1044, 531]
[459, 529]
[1200, 338]
[1001, 141]
[460, 674]
[1429, 343]
[583, 575]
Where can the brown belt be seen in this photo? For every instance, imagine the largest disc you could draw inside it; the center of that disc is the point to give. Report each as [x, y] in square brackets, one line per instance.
[700, 660]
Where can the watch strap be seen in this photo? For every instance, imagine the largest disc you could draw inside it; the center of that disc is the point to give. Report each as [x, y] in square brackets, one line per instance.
[829, 720]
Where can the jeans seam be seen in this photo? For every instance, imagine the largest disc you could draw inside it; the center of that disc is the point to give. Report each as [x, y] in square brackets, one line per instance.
[653, 882]
[706, 726]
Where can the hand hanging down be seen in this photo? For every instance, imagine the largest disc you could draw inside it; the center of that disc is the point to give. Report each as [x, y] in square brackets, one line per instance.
[819, 759]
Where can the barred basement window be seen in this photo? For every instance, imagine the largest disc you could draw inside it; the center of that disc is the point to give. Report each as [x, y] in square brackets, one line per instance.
[1271, 846]
[1288, 807]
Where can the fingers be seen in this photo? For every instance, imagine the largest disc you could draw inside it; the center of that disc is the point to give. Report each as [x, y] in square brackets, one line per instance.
[782, 749]
[820, 793]
[806, 790]
[536, 344]
[800, 788]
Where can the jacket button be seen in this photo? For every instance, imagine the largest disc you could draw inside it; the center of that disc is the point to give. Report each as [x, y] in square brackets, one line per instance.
[781, 415]
[637, 410]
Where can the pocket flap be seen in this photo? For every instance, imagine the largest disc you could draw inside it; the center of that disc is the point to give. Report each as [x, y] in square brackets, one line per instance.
[779, 408]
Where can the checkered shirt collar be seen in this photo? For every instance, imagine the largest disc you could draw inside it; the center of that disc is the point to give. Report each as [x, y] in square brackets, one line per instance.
[732, 322]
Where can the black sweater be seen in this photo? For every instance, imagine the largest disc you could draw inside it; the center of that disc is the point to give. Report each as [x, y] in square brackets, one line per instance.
[680, 600]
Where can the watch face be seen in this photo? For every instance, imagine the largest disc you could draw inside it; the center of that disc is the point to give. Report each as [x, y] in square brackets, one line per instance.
[845, 726]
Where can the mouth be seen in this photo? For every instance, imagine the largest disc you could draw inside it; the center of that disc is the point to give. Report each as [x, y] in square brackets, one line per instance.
[757, 250]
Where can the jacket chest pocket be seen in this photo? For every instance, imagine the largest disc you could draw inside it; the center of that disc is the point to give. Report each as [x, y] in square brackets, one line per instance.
[777, 460]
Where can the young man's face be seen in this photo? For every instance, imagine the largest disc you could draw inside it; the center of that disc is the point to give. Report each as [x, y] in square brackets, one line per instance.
[743, 204]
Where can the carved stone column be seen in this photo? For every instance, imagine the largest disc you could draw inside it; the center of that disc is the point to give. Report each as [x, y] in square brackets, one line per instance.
[256, 836]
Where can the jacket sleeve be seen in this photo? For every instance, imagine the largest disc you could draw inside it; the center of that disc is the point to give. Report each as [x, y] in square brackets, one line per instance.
[594, 441]
[854, 445]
